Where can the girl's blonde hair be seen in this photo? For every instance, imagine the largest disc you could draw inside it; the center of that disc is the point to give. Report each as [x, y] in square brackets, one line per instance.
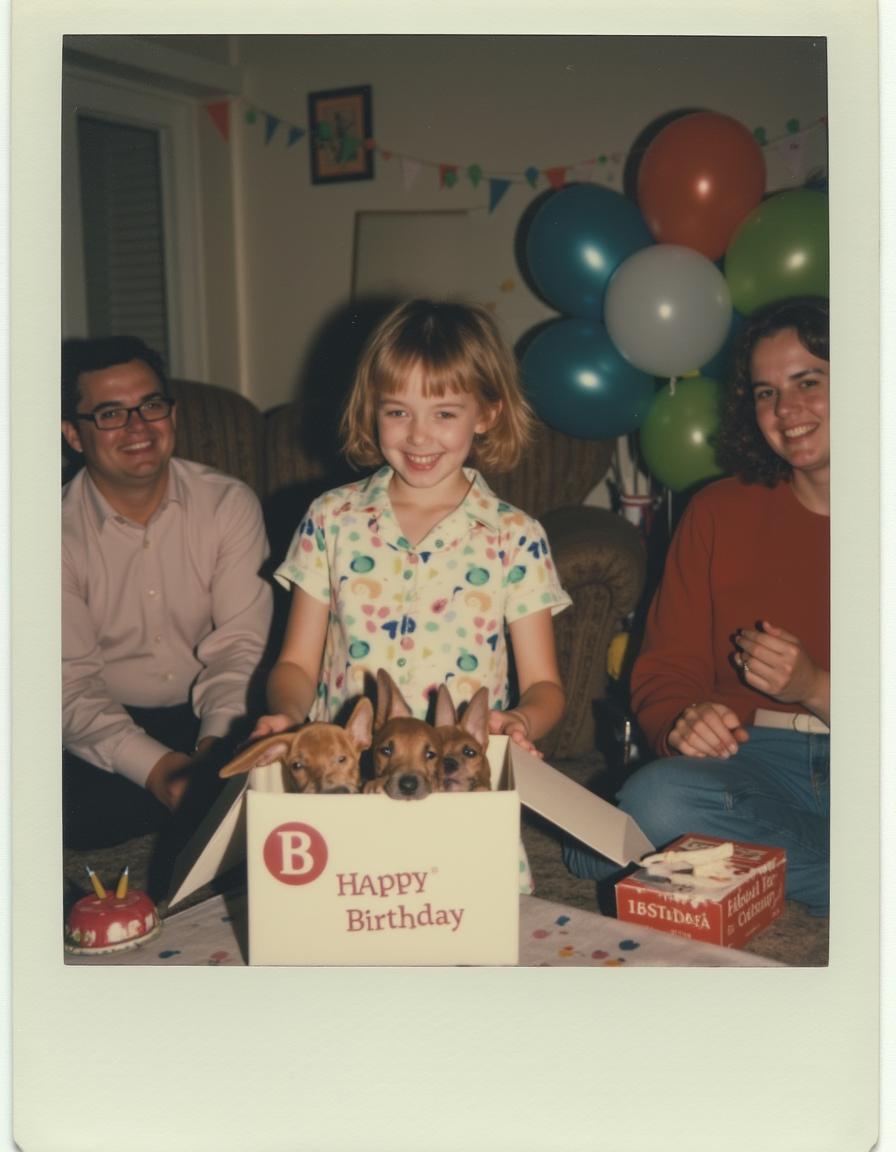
[459, 349]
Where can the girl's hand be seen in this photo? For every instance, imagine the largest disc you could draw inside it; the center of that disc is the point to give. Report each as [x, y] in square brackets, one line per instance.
[514, 725]
[774, 662]
[707, 729]
[270, 726]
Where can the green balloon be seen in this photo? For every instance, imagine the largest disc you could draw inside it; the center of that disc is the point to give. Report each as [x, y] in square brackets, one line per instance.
[780, 250]
[676, 437]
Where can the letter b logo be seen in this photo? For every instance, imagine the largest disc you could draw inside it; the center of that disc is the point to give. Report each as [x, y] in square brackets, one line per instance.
[295, 853]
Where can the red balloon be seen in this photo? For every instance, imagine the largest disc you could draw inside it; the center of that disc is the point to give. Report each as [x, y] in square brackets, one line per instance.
[699, 178]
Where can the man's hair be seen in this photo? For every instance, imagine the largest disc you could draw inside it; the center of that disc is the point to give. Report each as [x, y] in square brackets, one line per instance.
[740, 446]
[459, 349]
[96, 354]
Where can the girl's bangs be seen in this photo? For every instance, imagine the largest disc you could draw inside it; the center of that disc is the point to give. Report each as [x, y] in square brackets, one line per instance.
[392, 377]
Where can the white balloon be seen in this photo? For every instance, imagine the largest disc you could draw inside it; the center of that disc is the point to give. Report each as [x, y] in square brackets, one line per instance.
[667, 309]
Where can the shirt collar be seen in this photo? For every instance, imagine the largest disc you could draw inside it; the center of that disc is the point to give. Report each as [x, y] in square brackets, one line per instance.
[479, 506]
[102, 511]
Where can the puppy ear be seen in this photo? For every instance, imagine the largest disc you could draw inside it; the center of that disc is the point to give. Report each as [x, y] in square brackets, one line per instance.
[359, 725]
[475, 717]
[446, 717]
[389, 701]
[256, 755]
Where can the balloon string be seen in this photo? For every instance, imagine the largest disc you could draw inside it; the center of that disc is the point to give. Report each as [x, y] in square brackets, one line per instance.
[672, 381]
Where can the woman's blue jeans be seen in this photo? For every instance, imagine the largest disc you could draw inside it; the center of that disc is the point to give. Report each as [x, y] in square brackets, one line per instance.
[774, 790]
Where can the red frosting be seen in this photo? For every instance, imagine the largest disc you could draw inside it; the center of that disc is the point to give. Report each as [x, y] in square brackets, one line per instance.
[111, 921]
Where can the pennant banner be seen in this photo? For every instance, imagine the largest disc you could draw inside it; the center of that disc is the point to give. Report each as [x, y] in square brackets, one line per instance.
[220, 114]
[604, 167]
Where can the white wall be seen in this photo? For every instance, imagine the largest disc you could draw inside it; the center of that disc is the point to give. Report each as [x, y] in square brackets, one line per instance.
[502, 102]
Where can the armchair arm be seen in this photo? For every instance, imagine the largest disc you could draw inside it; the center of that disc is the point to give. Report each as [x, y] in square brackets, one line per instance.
[601, 562]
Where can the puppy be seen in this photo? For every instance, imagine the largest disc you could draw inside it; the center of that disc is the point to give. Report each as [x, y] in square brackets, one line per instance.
[317, 757]
[407, 753]
[464, 743]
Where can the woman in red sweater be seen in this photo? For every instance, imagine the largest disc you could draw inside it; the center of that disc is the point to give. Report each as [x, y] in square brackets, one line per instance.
[732, 686]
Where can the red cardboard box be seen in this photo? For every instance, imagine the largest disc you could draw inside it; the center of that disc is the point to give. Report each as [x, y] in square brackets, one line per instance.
[729, 914]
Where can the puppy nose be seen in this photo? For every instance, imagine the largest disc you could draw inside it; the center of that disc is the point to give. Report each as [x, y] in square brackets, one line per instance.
[408, 784]
[450, 764]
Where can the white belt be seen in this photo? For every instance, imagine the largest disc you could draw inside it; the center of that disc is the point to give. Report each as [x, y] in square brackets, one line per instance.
[794, 721]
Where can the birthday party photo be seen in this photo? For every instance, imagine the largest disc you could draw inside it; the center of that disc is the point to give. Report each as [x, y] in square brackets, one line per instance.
[445, 501]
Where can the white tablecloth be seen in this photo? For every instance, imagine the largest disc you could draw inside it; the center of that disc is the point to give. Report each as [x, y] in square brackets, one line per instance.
[551, 935]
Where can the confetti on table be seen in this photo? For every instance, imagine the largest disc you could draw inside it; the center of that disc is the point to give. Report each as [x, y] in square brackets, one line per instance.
[629, 945]
[168, 953]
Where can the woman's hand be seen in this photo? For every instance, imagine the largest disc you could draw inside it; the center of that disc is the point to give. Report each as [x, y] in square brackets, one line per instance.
[270, 726]
[707, 729]
[774, 662]
[514, 725]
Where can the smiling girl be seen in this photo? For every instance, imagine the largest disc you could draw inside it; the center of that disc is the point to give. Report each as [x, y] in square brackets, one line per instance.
[420, 569]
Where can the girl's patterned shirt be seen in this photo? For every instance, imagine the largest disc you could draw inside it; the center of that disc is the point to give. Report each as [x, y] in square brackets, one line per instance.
[431, 614]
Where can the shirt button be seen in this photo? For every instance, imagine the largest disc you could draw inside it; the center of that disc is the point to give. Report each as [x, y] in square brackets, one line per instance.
[157, 639]
[146, 542]
[168, 676]
[151, 592]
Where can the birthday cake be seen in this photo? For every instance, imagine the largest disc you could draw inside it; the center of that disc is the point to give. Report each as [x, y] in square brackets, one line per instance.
[111, 923]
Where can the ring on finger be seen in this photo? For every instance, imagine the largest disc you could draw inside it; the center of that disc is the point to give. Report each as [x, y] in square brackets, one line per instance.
[745, 663]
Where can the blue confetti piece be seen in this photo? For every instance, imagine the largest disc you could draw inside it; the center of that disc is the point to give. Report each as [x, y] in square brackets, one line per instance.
[562, 920]
[629, 945]
[169, 953]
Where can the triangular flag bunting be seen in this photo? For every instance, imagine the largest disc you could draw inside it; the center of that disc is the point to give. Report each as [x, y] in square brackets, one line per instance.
[220, 114]
[447, 175]
[793, 152]
[556, 176]
[496, 190]
[295, 135]
[272, 123]
[474, 172]
[532, 175]
[410, 170]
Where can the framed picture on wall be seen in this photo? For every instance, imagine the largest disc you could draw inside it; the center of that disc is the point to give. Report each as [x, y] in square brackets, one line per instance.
[341, 128]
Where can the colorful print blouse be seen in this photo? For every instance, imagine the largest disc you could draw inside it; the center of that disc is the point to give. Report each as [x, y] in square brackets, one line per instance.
[431, 614]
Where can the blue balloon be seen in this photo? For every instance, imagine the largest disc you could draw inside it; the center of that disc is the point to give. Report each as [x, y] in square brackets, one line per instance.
[580, 384]
[577, 240]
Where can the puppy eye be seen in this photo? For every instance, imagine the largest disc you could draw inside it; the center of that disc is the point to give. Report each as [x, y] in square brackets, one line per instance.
[340, 759]
[296, 765]
[468, 751]
[385, 749]
[429, 754]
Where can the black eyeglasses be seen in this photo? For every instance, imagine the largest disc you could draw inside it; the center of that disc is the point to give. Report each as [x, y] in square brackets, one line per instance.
[109, 419]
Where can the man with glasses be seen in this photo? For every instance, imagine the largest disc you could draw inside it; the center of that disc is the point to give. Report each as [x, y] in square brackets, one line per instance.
[164, 612]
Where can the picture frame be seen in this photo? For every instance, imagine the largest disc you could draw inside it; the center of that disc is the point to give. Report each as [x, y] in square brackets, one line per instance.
[340, 124]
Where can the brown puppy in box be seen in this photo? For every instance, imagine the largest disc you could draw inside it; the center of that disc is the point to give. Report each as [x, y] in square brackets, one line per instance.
[407, 753]
[464, 742]
[317, 757]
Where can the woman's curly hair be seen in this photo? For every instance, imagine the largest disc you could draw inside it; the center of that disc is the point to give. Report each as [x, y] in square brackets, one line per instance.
[741, 448]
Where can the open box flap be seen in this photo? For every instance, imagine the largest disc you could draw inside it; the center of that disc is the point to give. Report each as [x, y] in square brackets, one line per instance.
[219, 843]
[577, 811]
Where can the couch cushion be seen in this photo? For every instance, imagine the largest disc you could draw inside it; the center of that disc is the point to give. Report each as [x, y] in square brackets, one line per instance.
[221, 428]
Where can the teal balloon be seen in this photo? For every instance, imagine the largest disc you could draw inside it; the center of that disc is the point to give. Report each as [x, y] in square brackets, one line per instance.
[780, 250]
[579, 383]
[576, 240]
[676, 438]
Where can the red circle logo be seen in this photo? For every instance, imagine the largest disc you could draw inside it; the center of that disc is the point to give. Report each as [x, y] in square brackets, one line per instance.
[295, 853]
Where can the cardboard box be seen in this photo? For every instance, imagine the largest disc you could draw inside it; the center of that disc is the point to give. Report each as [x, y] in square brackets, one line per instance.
[369, 880]
[728, 915]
